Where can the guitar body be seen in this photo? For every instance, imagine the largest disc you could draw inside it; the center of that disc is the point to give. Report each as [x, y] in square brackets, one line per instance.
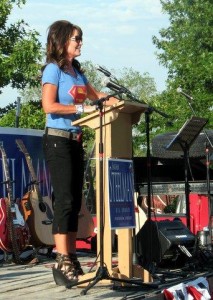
[41, 233]
[22, 235]
[39, 222]
[26, 206]
[85, 223]
[20, 228]
[37, 210]
[4, 232]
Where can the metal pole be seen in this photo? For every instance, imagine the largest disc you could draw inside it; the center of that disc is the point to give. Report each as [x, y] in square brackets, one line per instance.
[18, 111]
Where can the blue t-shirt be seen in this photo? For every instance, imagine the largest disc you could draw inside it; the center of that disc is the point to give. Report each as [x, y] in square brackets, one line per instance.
[71, 90]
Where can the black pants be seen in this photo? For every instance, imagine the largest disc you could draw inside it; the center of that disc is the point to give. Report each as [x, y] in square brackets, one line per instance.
[65, 159]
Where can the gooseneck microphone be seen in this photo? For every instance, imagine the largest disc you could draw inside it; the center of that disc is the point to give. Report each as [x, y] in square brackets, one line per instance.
[103, 70]
[112, 85]
[179, 90]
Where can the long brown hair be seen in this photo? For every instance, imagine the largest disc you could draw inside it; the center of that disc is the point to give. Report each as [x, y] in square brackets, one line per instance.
[58, 35]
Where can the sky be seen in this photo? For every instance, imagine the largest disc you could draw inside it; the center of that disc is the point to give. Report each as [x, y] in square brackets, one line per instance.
[117, 34]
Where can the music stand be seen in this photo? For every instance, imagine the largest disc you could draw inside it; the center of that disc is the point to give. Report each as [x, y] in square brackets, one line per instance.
[182, 142]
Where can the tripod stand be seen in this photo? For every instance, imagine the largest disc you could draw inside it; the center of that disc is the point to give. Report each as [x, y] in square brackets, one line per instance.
[102, 272]
[183, 141]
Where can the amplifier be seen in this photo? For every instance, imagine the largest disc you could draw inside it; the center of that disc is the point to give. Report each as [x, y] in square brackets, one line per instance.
[161, 240]
[175, 232]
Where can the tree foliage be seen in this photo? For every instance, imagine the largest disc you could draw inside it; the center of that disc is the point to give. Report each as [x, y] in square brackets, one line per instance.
[20, 50]
[31, 116]
[186, 51]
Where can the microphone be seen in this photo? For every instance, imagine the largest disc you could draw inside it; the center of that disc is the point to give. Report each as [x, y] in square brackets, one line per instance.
[112, 85]
[104, 71]
[179, 90]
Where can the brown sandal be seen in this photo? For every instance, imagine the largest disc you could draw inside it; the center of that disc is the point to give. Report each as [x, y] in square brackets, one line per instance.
[64, 272]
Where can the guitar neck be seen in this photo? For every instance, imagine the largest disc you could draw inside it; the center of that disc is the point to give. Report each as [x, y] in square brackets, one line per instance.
[7, 181]
[30, 167]
[33, 175]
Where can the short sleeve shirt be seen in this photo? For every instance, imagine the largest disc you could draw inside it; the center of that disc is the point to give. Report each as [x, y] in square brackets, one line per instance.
[71, 90]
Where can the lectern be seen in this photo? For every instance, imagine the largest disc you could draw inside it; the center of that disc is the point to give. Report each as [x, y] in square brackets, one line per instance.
[117, 142]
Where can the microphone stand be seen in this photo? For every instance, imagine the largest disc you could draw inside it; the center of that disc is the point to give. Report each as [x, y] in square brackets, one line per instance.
[208, 146]
[102, 272]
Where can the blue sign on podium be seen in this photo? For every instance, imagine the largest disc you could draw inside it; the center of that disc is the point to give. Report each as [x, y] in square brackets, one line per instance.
[121, 193]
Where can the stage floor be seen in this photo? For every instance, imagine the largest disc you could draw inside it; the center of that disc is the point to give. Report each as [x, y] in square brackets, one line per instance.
[35, 281]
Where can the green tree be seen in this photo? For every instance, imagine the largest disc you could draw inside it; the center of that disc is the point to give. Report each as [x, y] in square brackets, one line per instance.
[186, 51]
[20, 50]
[31, 116]
[143, 88]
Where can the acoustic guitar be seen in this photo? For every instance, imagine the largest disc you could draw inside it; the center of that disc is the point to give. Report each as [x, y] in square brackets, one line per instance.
[12, 220]
[38, 210]
[86, 224]
[39, 213]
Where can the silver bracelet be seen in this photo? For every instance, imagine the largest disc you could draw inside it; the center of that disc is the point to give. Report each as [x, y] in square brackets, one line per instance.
[79, 109]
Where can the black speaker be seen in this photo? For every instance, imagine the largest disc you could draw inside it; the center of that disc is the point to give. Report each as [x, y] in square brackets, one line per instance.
[163, 242]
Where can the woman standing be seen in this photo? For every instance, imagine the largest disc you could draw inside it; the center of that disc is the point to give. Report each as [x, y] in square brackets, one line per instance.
[64, 90]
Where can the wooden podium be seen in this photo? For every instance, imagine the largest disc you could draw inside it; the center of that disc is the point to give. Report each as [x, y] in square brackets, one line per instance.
[117, 124]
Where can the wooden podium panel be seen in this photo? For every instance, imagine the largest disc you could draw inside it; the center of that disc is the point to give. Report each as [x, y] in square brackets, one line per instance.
[117, 123]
